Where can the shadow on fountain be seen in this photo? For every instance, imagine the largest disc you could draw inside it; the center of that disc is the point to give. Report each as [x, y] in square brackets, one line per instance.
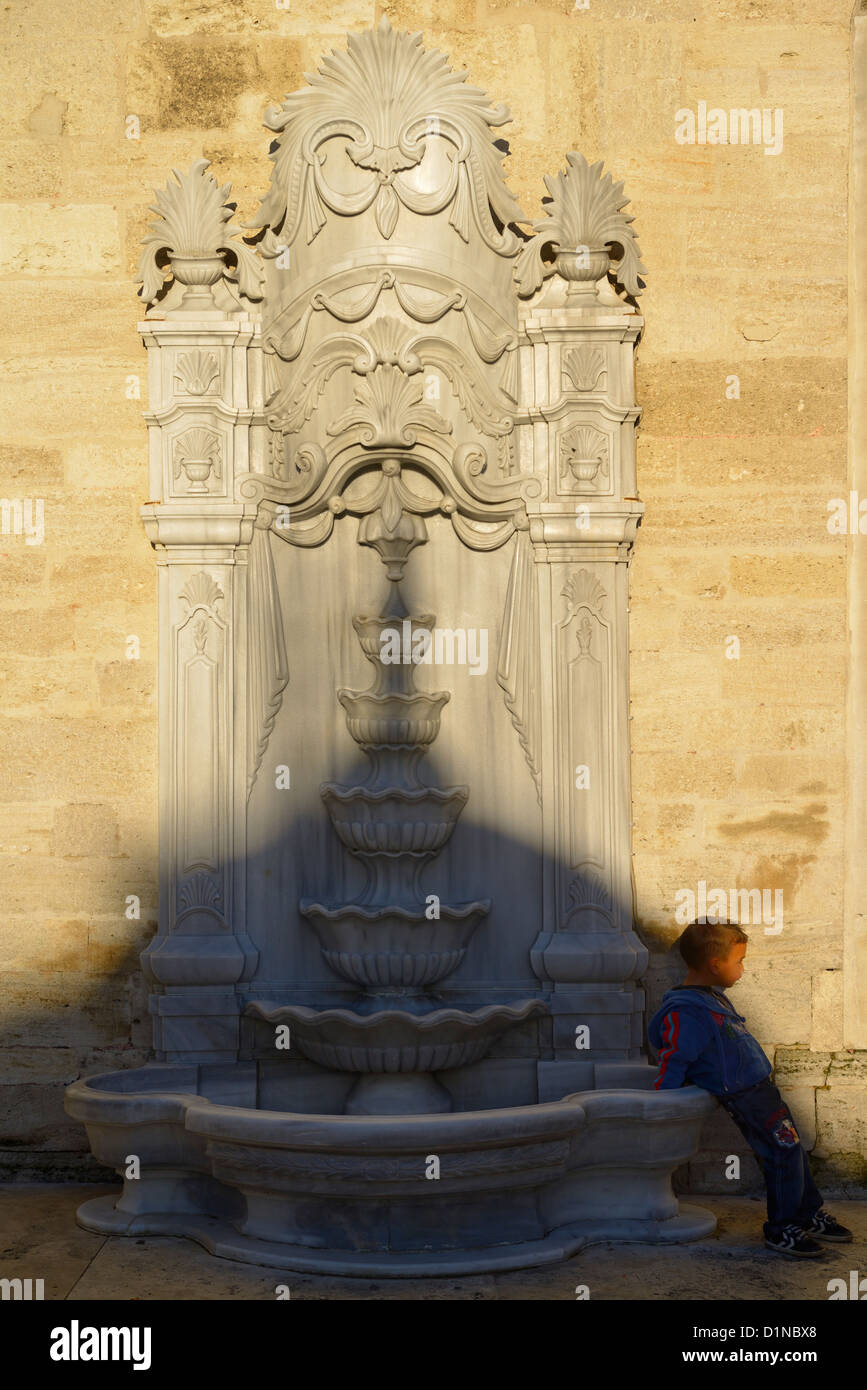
[422, 1049]
[544, 1147]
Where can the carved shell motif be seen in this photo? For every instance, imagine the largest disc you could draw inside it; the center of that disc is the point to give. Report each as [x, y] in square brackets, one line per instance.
[583, 590]
[200, 890]
[588, 896]
[196, 370]
[201, 591]
[388, 97]
[584, 366]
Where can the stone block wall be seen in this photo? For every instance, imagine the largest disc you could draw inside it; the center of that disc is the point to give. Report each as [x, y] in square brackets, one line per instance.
[739, 747]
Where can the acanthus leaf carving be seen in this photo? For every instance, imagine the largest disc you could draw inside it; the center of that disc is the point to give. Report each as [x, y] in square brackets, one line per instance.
[389, 411]
[466, 384]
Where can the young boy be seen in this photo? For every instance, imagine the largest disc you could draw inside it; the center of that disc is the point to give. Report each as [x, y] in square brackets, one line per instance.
[702, 1041]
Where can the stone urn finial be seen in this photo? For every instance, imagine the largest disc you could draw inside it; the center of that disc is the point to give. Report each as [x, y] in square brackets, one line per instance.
[192, 230]
[584, 220]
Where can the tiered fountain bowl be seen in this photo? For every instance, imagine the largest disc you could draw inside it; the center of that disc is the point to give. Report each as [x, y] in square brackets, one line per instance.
[394, 941]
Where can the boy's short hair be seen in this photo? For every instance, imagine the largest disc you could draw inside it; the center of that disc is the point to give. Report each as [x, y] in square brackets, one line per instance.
[700, 941]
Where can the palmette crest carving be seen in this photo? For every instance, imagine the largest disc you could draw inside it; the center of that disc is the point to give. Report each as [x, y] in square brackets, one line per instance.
[391, 99]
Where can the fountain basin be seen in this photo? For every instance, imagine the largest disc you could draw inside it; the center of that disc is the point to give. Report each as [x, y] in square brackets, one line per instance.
[522, 1186]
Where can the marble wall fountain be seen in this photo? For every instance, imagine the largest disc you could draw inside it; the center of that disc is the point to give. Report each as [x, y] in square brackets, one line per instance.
[397, 1024]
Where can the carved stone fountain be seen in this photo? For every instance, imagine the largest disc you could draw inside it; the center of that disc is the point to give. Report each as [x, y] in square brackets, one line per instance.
[393, 1045]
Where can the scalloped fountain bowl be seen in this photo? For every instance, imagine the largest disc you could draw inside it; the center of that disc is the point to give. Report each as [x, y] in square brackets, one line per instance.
[393, 946]
[466, 1192]
[395, 1051]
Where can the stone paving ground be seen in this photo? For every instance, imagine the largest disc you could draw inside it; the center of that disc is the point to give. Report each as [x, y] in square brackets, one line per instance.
[39, 1239]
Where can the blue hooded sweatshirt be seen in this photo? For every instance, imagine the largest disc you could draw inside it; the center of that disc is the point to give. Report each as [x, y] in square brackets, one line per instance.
[702, 1041]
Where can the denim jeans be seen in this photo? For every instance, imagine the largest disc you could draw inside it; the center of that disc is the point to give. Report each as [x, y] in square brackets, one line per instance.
[765, 1120]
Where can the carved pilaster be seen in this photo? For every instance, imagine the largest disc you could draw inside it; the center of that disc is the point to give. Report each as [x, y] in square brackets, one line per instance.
[576, 432]
[206, 430]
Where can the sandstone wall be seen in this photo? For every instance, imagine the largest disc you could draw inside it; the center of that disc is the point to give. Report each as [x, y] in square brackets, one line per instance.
[739, 765]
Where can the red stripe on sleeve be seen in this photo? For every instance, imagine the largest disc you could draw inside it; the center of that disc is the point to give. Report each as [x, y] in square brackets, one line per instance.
[670, 1032]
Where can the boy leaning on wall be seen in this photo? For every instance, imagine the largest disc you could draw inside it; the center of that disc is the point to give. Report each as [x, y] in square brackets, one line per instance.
[701, 1040]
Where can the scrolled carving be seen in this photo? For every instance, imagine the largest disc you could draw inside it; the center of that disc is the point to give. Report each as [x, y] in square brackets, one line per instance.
[470, 463]
[389, 97]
